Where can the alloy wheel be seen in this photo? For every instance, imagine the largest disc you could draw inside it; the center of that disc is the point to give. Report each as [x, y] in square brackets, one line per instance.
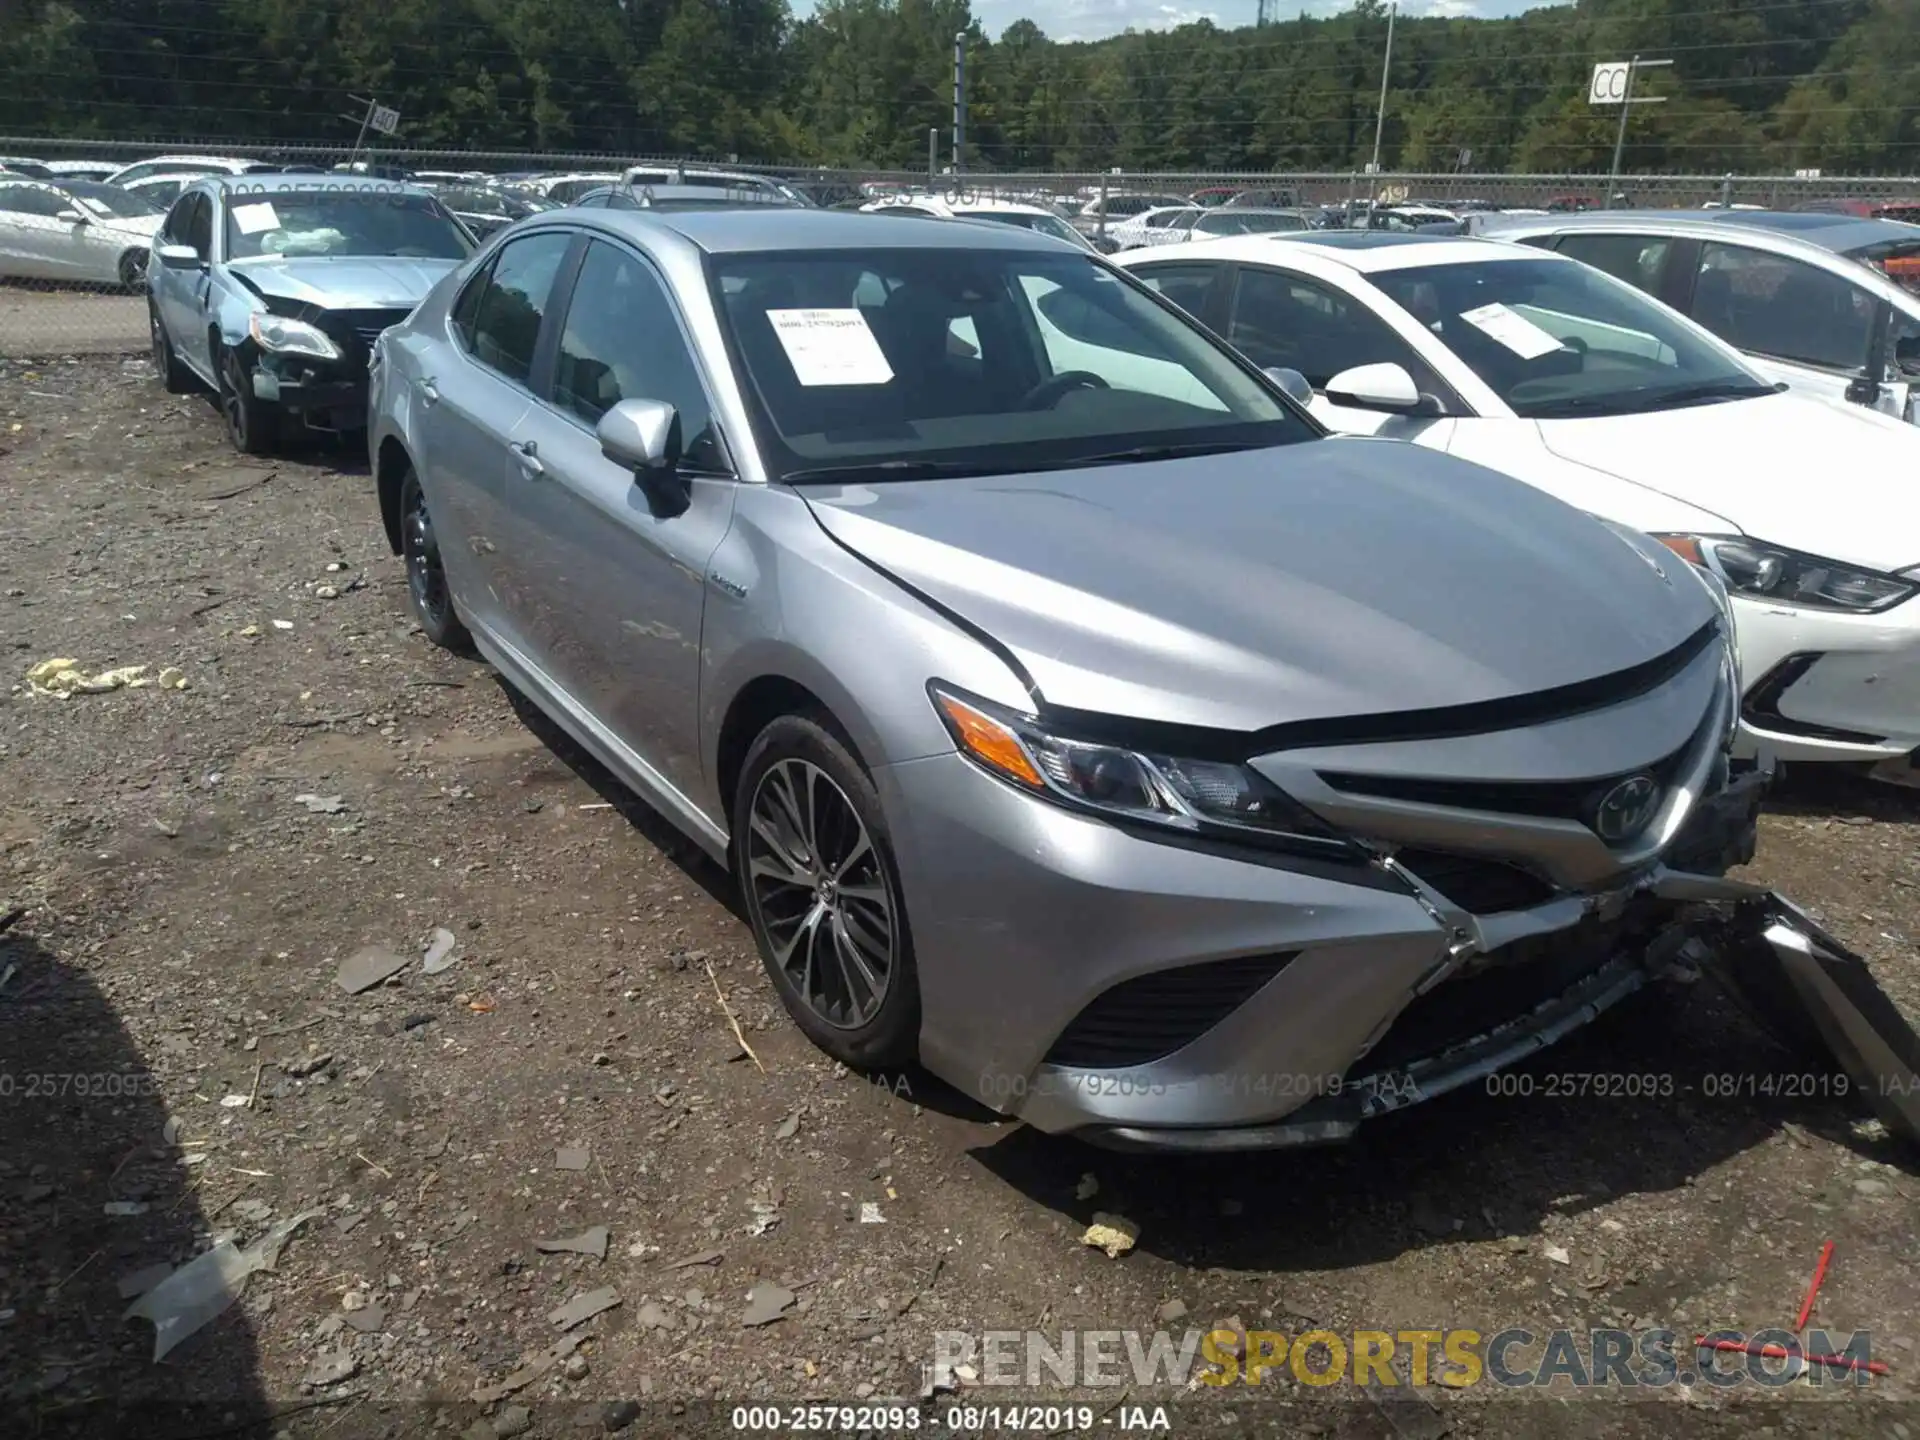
[233, 403]
[820, 893]
[426, 580]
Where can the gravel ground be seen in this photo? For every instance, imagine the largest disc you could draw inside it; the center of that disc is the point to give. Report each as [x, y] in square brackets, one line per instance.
[38, 321]
[174, 1044]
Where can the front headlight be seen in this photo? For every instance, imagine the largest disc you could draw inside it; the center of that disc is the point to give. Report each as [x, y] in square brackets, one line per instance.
[291, 337]
[1200, 798]
[1767, 572]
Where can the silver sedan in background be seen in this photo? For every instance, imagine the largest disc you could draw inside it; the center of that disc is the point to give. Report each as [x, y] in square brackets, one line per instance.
[1073, 713]
[78, 231]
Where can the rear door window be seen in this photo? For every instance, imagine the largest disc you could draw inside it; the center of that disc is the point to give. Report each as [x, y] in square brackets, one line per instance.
[506, 322]
[1636, 259]
[1782, 307]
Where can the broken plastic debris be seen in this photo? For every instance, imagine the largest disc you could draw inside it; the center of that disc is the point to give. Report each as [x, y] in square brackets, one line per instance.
[171, 678]
[321, 804]
[233, 1102]
[63, 676]
[591, 1241]
[1557, 1255]
[367, 967]
[283, 624]
[203, 1288]
[583, 1308]
[571, 1158]
[439, 952]
[532, 1367]
[766, 1303]
[1114, 1234]
[133, 1286]
[788, 1127]
[870, 1213]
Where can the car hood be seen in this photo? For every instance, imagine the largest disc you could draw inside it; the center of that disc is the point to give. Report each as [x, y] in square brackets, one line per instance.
[1325, 579]
[347, 282]
[1830, 479]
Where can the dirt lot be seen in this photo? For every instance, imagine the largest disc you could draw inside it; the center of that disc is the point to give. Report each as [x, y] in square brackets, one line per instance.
[38, 321]
[173, 1043]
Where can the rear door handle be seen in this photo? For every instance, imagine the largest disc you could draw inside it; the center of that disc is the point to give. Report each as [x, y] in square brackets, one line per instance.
[527, 454]
[428, 394]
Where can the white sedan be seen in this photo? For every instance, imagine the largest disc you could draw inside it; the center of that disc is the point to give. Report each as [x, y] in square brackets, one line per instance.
[1578, 383]
[79, 231]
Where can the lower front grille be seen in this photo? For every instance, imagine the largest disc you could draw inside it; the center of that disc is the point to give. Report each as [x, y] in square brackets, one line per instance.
[1477, 885]
[1762, 708]
[1508, 983]
[1147, 1019]
[356, 330]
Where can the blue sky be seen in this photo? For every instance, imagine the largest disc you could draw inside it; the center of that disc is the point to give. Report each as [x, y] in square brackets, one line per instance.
[1093, 19]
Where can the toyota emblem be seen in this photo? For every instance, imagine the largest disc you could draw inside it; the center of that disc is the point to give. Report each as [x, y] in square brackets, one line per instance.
[1626, 809]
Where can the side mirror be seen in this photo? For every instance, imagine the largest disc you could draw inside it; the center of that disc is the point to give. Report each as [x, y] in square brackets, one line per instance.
[72, 217]
[1386, 387]
[1292, 382]
[177, 257]
[644, 437]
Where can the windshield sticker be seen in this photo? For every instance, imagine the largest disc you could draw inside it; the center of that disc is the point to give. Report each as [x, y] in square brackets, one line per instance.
[1511, 329]
[830, 347]
[252, 219]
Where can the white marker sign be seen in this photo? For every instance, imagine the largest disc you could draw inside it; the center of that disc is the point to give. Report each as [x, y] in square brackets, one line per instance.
[1511, 329]
[1609, 85]
[253, 219]
[384, 120]
[830, 347]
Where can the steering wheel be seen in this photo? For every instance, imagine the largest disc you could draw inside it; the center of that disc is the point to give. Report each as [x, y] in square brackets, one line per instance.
[1047, 393]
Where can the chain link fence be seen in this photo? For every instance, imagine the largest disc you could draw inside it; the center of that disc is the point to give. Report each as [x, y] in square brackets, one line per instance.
[58, 296]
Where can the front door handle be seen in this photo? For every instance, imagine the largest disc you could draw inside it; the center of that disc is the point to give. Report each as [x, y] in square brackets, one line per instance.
[428, 394]
[527, 454]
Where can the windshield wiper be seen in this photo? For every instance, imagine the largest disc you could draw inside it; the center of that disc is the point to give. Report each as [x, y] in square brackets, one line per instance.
[1639, 402]
[1144, 453]
[883, 470]
[1704, 393]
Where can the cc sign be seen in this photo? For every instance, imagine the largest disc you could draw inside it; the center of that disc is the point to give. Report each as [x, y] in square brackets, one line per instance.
[1609, 83]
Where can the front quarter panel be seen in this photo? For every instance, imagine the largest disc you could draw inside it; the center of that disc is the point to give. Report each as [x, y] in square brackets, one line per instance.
[819, 617]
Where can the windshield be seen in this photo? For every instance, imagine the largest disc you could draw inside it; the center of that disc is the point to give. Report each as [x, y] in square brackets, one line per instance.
[917, 361]
[341, 222]
[1552, 338]
[1228, 221]
[110, 200]
[1045, 224]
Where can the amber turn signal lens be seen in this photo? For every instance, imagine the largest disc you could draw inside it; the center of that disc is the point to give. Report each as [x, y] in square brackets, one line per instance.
[990, 742]
[1685, 546]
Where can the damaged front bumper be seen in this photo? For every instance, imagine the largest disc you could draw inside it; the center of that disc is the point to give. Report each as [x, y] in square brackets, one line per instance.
[328, 395]
[1798, 981]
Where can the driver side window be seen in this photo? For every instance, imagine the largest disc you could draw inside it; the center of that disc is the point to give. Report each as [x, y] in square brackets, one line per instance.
[1293, 323]
[200, 225]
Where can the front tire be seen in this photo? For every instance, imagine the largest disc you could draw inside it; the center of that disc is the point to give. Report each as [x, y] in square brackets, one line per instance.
[816, 866]
[252, 423]
[132, 271]
[427, 588]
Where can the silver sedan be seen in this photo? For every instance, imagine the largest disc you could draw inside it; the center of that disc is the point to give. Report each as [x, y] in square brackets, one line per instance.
[1073, 714]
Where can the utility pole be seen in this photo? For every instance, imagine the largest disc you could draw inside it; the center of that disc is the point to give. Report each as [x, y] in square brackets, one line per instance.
[1386, 69]
[959, 102]
[933, 153]
[1627, 101]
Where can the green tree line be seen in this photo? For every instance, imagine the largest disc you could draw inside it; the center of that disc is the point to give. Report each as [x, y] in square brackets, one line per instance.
[1756, 85]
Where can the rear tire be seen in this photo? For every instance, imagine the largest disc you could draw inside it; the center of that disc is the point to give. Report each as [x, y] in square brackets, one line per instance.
[253, 425]
[427, 588]
[176, 377]
[815, 865]
[132, 270]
